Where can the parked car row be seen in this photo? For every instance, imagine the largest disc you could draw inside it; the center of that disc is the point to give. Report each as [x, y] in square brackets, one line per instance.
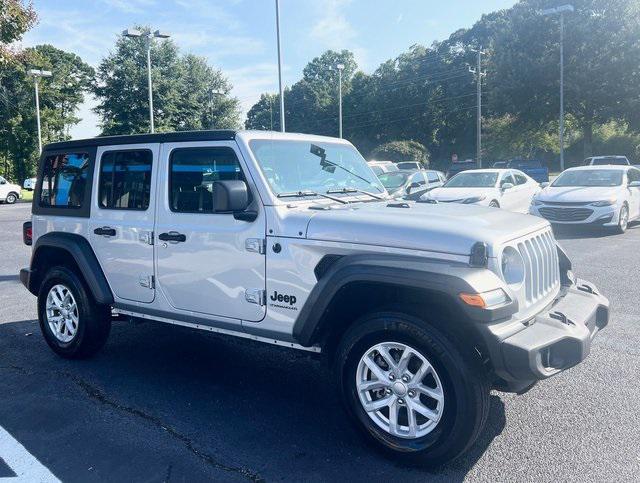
[605, 192]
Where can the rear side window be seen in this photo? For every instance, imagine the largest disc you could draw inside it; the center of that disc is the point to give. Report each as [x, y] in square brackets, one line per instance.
[520, 179]
[192, 172]
[125, 180]
[64, 180]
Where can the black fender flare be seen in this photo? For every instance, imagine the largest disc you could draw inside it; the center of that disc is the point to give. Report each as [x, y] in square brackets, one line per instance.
[80, 250]
[444, 277]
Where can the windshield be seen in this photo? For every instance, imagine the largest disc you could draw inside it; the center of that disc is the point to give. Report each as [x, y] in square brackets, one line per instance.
[472, 180]
[395, 180]
[291, 167]
[604, 161]
[595, 177]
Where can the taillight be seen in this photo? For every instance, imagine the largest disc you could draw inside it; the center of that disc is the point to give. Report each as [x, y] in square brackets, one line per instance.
[27, 233]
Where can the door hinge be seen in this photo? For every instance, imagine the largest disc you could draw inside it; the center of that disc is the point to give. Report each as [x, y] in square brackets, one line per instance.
[258, 245]
[146, 237]
[147, 281]
[256, 296]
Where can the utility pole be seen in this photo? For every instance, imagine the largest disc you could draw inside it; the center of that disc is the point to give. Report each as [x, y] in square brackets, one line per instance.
[555, 11]
[479, 75]
[37, 74]
[282, 128]
[340, 68]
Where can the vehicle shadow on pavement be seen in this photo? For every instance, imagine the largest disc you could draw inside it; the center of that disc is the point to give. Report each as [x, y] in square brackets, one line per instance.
[240, 408]
[566, 232]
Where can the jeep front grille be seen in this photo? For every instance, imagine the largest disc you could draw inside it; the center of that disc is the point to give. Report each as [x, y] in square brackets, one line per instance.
[542, 270]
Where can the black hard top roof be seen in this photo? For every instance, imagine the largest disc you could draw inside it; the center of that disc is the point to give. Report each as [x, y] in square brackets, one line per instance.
[165, 137]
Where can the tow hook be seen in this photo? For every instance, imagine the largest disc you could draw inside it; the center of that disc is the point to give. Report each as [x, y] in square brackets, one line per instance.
[587, 288]
[561, 317]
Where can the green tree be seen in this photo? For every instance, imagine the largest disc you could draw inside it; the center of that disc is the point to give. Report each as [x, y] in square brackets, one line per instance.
[265, 114]
[401, 151]
[601, 59]
[183, 90]
[311, 104]
[60, 96]
[16, 18]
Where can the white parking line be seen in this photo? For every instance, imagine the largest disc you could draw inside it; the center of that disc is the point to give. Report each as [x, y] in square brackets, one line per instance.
[22, 463]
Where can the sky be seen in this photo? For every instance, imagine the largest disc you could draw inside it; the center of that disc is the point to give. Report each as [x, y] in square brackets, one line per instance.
[238, 36]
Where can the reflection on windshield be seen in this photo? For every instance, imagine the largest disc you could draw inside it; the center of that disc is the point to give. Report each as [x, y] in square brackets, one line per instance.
[393, 181]
[596, 177]
[290, 166]
[472, 180]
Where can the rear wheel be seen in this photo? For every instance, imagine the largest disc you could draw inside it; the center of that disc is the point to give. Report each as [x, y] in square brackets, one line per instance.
[72, 323]
[410, 390]
[11, 198]
[494, 204]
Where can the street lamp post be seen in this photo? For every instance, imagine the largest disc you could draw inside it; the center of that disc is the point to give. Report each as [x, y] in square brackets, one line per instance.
[37, 74]
[212, 93]
[340, 68]
[282, 128]
[561, 10]
[133, 33]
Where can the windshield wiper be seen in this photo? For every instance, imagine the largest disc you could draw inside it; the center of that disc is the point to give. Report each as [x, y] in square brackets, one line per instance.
[301, 194]
[354, 190]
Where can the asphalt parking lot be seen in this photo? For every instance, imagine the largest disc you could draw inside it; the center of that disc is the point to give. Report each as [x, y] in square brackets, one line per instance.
[162, 403]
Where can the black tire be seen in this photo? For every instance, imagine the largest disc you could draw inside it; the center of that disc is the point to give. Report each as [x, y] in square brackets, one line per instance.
[623, 220]
[494, 204]
[464, 383]
[11, 198]
[94, 320]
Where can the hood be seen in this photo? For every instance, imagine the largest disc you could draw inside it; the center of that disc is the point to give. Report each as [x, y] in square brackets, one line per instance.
[451, 194]
[577, 194]
[446, 228]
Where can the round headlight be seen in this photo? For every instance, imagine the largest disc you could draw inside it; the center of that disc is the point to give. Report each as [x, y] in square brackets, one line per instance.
[512, 267]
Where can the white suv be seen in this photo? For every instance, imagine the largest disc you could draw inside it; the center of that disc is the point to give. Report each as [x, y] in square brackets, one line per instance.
[9, 193]
[419, 308]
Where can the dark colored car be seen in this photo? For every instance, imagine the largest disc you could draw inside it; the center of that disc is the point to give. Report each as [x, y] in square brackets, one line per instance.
[460, 166]
[531, 167]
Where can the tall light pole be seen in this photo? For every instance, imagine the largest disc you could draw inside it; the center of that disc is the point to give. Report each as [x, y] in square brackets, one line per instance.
[282, 128]
[561, 10]
[340, 68]
[212, 93]
[133, 33]
[37, 74]
[479, 75]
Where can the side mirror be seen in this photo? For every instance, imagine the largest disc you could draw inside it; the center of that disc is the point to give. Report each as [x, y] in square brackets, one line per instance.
[414, 185]
[544, 185]
[506, 186]
[230, 196]
[3, 182]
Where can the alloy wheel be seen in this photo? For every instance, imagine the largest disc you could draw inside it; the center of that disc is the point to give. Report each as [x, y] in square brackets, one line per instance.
[400, 390]
[62, 313]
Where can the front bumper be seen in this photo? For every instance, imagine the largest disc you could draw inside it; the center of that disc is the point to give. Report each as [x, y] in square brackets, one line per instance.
[554, 340]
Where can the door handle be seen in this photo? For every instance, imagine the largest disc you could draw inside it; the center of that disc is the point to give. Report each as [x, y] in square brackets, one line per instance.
[172, 236]
[105, 231]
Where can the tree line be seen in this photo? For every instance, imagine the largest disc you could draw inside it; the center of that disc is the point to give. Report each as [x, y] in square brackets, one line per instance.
[189, 94]
[428, 96]
[421, 104]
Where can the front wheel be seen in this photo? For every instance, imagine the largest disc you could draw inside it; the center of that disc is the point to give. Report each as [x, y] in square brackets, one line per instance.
[412, 391]
[11, 198]
[72, 323]
[623, 220]
[494, 204]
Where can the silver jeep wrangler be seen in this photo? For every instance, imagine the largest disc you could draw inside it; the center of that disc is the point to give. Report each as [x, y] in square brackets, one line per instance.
[420, 309]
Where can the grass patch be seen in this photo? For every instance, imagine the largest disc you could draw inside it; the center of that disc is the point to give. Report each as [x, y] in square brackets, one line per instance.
[27, 196]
